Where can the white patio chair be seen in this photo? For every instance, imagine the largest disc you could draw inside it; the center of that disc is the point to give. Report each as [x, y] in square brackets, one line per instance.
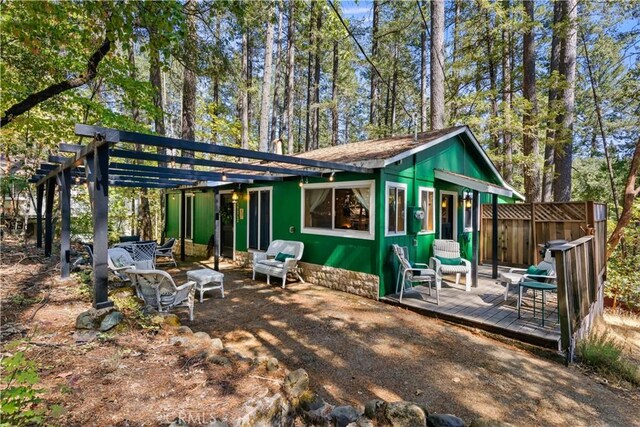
[118, 261]
[516, 275]
[408, 274]
[144, 255]
[446, 260]
[157, 289]
[166, 251]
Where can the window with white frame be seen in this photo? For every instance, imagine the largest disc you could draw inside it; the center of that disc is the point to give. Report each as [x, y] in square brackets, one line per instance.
[396, 209]
[188, 212]
[427, 203]
[340, 209]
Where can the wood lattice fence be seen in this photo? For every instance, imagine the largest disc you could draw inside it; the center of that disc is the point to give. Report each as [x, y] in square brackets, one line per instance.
[523, 226]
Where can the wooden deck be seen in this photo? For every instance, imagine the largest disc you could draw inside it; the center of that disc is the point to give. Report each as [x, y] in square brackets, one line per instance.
[485, 308]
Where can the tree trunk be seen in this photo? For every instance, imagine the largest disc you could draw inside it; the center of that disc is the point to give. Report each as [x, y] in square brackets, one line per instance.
[394, 84]
[265, 105]
[276, 79]
[155, 78]
[493, 133]
[291, 61]
[334, 96]
[244, 92]
[307, 139]
[373, 99]
[454, 72]
[437, 64]
[189, 80]
[529, 117]
[423, 75]
[507, 161]
[554, 68]
[315, 128]
[563, 156]
[630, 194]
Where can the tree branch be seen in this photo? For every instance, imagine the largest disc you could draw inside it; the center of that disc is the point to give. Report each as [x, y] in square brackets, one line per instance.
[36, 98]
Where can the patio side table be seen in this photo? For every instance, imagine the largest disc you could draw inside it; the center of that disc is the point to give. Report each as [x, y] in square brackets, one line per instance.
[536, 286]
[207, 280]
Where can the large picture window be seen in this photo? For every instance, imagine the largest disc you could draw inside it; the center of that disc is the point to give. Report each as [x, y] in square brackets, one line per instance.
[427, 203]
[342, 209]
[396, 209]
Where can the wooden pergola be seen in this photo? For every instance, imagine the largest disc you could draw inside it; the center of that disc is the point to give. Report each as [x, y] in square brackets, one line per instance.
[102, 163]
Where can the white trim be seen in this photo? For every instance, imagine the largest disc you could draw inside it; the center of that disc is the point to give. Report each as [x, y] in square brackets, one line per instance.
[466, 229]
[235, 209]
[433, 207]
[387, 186]
[472, 183]
[455, 214]
[258, 189]
[352, 234]
[423, 147]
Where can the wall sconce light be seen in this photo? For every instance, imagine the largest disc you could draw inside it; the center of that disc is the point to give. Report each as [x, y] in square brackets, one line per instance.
[224, 176]
[466, 198]
[444, 203]
[332, 176]
[234, 197]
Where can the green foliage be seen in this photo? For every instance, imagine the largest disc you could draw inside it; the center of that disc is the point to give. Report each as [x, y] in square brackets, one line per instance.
[623, 271]
[604, 354]
[20, 401]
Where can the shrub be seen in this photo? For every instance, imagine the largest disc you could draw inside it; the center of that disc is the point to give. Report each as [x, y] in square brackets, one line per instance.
[604, 354]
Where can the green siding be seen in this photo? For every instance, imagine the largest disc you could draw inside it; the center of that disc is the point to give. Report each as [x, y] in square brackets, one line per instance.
[203, 216]
[173, 215]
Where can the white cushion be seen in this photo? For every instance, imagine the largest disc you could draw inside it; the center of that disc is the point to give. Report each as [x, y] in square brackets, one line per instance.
[271, 263]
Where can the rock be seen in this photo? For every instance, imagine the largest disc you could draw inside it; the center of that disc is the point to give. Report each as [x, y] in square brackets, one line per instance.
[375, 408]
[314, 410]
[362, 421]
[111, 320]
[272, 364]
[147, 310]
[216, 343]
[184, 330]
[296, 383]
[266, 411]
[203, 336]
[343, 415]
[217, 423]
[311, 402]
[219, 360]
[178, 341]
[171, 320]
[486, 422]
[444, 420]
[92, 318]
[179, 422]
[405, 414]
[85, 335]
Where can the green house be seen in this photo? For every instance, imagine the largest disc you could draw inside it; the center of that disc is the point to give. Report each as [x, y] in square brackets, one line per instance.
[348, 221]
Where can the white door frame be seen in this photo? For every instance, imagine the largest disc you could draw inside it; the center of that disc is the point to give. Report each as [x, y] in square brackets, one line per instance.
[455, 213]
[235, 208]
[258, 189]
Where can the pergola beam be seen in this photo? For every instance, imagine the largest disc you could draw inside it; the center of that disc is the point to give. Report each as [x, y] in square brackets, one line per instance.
[69, 148]
[192, 174]
[181, 144]
[165, 158]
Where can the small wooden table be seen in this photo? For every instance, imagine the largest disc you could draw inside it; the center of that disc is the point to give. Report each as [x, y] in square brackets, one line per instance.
[206, 280]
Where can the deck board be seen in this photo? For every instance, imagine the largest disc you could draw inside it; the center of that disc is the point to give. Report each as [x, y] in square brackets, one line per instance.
[484, 307]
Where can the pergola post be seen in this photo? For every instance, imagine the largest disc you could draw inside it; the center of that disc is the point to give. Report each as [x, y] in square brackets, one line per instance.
[216, 233]
[494, 237]
[475, 236]
[65, 223]
[183, 222]
[48, 211]
[39, 200]
[100, 212]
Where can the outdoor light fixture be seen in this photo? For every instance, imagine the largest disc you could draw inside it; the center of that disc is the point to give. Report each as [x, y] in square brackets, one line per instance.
[332, 176]
[466, 197]
[224, 176]
[301, 183]
[234, 197]
[77, 180]
[444, 203]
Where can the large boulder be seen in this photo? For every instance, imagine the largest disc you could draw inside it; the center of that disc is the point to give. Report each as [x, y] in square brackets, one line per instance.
[487, 422]
[110, 320]
[266, 411]
[444, 420]
[344, 415]
[375, 408]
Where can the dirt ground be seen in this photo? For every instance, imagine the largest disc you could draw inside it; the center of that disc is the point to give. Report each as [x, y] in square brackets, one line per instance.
[354, 349]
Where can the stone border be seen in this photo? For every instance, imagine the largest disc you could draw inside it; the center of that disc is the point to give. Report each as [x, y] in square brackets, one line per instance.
[353, 282]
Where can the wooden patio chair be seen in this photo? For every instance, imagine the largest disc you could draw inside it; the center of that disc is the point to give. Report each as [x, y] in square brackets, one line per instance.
[446, 259]
[157, 289]
[410, 274]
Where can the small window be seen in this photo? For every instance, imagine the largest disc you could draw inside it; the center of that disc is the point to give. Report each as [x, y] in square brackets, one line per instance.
[427, 197]
[188, 211]
[396, 208]
[467, 202]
